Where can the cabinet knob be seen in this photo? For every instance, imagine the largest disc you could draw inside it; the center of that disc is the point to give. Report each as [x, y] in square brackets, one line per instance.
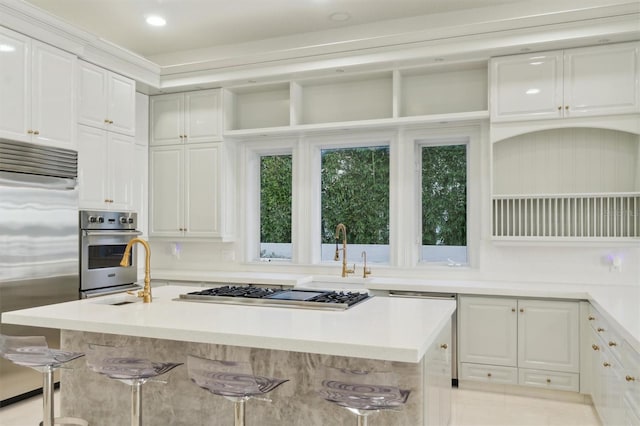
[444, 346]
[548, 380]
[110, 121]
[488, 374]
[613, 344]
[106, 200]
[35, 132]
[595, 347]
[600, 329]
[566, 107]
[521, 309]
[560, 108]
[606, 364]
[630, 379]
[106, 121]
[30, 131]
[513, 309]
[181, 136]
[591, 318]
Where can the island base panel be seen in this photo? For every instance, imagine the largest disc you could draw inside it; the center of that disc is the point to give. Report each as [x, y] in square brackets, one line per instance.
[106, 402]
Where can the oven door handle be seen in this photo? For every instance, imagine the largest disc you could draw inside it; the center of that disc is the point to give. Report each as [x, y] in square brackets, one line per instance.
[122, 233]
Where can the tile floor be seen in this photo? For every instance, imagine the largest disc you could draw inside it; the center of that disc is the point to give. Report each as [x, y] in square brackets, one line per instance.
[468, 408]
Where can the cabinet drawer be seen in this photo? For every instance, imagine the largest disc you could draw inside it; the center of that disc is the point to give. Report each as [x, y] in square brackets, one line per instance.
[489, 373]
[549, 379]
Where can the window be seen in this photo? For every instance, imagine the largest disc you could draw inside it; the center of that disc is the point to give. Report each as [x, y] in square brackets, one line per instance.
[444, 203]
[355, 192]
[275, 206]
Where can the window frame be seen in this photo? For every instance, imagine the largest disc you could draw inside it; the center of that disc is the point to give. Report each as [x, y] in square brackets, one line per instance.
[249, 180]
[469, 136]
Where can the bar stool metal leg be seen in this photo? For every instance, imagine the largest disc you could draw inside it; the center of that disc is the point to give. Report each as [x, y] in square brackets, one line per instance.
[47, 396]
[136, 403]
[239, 412]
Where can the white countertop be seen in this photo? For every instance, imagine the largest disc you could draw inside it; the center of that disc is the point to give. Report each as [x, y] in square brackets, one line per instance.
[621, 304]
[394, 329]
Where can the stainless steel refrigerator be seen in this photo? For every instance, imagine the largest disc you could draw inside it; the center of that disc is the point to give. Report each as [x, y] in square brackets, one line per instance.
[38, 244]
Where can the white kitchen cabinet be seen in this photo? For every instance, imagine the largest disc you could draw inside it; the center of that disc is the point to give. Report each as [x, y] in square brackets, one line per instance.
[598, 80]
[105, 169]
[185, 198]
[615, 372]
[191, 117]
[490, 331]
[106, 100]
[438, 379]
[37, 92]
[548, 335]
[519, 341]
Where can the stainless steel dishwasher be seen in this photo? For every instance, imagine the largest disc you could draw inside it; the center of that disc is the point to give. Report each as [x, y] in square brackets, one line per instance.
[454, 322]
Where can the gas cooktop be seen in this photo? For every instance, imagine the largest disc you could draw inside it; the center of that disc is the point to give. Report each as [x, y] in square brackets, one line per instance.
[267, 296]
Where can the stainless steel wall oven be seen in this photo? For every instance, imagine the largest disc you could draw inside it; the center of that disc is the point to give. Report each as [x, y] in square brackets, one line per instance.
[103, 238]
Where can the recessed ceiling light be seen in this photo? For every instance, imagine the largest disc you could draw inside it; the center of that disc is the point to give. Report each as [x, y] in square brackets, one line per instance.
[525, 49]
[156, 21]
[339, 70]
[6, 48]
[340, 16]
[604, 40]
[438, 59]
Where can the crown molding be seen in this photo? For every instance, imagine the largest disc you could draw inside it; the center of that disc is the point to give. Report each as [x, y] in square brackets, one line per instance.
[33, 22]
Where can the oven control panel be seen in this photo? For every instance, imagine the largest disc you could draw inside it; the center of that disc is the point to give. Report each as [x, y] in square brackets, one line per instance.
[91, 219]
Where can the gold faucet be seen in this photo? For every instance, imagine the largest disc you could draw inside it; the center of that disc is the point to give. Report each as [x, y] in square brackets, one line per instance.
[146, 291]
[365, 271]
[345, 270]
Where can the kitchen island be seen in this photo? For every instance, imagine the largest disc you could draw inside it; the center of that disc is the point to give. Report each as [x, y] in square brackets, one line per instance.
[390, 334]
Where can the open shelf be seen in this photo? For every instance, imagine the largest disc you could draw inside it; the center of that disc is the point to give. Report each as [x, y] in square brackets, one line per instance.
[443, 89]
[257, 107]
[425, 94]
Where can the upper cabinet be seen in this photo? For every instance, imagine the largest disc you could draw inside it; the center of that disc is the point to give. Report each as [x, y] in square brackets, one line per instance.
[589, 81]
[106, 100]
[37, 92]
[189, 117]
[105, 169]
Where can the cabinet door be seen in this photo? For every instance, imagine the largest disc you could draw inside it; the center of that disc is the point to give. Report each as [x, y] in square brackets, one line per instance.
[121, 109]
[15, 85]
[167, 113]
[92, 168]
[92, 95]
[548, 333]
[202, 116]
[120, 160]
[601, 80]
[202, 189]
[166, 196]
[526, 87]
[53, 96]
[488, 331]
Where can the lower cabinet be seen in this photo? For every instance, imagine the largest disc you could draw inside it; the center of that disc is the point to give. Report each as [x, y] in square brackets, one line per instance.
[615, 373]
[437, 379]
[519, 341]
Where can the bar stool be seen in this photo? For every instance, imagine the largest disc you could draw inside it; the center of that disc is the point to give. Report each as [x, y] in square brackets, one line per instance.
[362, 392]
[33, 352]
[232, 380]
[135, 372]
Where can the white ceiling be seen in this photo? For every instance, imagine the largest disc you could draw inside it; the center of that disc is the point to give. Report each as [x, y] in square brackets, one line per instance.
[197, 24]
